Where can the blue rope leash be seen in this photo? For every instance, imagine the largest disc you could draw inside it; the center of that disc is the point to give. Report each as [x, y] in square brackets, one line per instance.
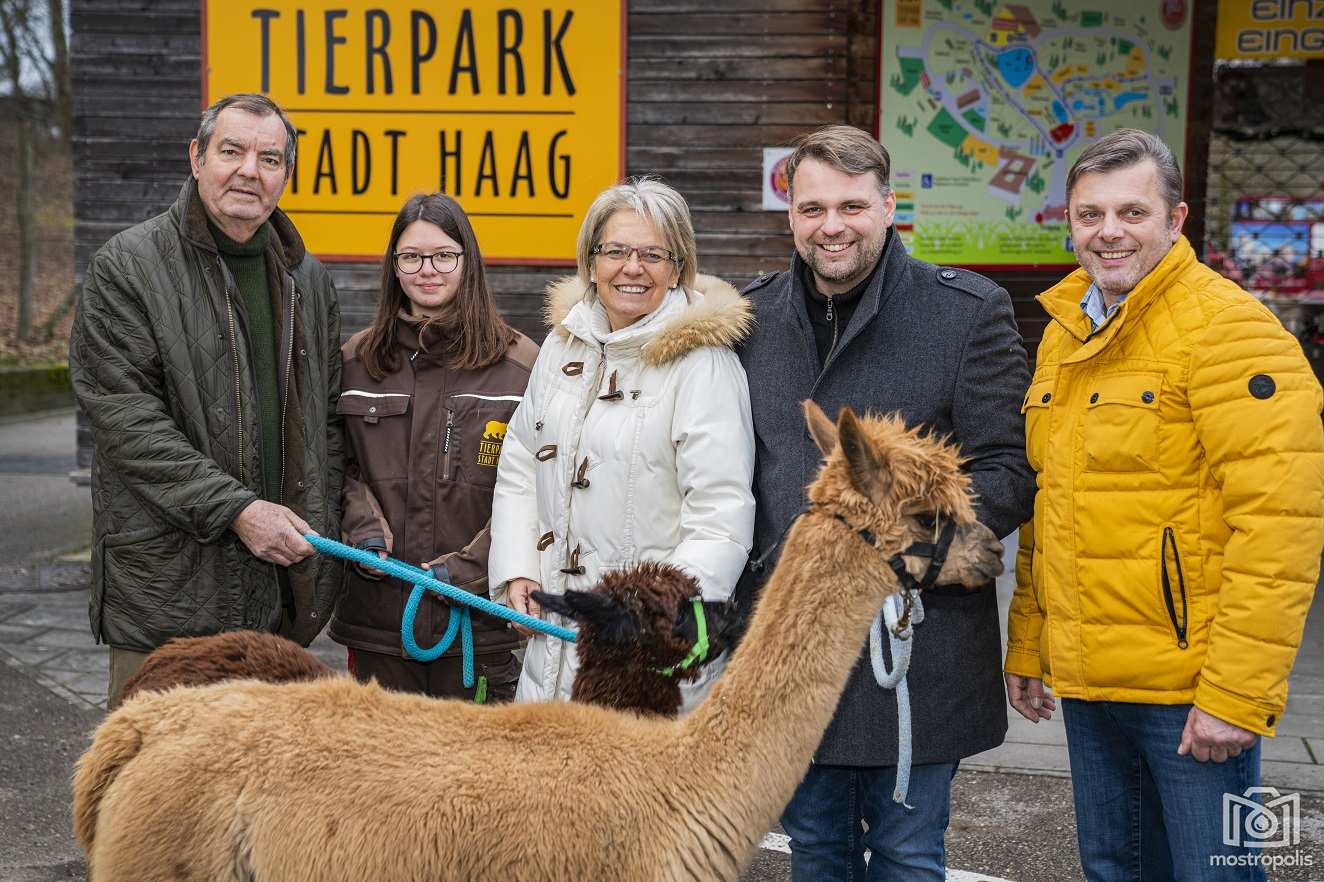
[423, 582]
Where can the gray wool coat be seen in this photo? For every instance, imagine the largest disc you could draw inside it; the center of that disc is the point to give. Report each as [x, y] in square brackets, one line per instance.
[941, 346]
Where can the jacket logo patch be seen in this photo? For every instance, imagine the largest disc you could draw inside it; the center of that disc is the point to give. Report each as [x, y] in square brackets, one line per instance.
[489, 448]
[1262, 386]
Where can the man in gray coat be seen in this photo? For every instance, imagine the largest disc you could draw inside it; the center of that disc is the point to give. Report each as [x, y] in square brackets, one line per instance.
[856, 321]
[206, 354]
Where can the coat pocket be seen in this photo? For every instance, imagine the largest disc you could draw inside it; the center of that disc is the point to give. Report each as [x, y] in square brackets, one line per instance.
[1172, 586]
[1036, 409]
[476, 434]
[143, 570]
[371, 407]
[378, 431]
[1122, 423]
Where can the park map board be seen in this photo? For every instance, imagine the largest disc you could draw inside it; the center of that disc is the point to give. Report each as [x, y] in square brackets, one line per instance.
[984, 106]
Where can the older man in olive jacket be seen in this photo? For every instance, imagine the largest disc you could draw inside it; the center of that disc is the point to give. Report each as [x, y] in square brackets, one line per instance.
[858, 322]
[205, 352]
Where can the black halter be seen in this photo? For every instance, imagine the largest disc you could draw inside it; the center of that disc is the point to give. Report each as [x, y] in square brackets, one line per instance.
[935, 551]
[747, 589]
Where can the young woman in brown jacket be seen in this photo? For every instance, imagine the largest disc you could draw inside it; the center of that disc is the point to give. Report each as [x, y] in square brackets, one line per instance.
[426, 394]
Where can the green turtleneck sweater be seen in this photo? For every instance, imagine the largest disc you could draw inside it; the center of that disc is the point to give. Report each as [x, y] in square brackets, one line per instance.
[247, 263]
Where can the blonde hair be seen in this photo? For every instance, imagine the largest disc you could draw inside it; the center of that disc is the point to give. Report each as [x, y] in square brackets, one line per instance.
[654, 201]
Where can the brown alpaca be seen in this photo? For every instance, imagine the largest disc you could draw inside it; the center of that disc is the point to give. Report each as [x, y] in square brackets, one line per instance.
[252, 781]
[634, 625]
[232, 655]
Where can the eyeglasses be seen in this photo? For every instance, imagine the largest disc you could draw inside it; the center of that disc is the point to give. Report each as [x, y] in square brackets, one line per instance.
[618, 253]
[410, 262]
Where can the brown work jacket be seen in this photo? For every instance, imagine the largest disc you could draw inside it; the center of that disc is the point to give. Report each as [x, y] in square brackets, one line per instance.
[421, 462]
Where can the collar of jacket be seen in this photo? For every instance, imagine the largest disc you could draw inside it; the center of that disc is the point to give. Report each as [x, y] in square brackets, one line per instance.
[886, 276]
[1062, 301]
[847, 298]
[436, 347]
[713, 314]
[287, 245]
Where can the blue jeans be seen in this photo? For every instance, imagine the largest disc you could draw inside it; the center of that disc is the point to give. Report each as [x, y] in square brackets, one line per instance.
[1143, 812]
[828, 840]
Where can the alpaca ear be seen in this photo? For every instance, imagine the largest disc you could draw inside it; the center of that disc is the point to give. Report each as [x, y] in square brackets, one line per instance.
[868, 469]
[610, 619]
[820, 427]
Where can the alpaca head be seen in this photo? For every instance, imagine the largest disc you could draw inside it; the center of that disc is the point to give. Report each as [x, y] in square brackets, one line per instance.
[641, 618]
[895, 481]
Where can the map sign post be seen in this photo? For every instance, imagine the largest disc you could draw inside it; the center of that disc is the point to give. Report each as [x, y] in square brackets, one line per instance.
[984, 106]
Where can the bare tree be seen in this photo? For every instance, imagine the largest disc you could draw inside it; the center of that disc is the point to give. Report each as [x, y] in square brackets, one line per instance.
[61, 82]
[27, 252]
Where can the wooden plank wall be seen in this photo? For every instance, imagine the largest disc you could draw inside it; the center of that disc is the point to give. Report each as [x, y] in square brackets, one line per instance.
[707, 91]
[709, 85]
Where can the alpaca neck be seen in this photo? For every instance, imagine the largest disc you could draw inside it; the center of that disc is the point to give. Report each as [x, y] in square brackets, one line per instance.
[766, 716]
[626, 686]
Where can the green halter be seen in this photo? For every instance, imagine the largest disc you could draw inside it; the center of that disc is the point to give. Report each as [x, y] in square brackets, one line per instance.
[700, 648]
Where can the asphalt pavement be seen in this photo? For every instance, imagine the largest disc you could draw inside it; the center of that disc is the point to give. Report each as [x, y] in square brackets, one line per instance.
[43, 513]
[1012, 816]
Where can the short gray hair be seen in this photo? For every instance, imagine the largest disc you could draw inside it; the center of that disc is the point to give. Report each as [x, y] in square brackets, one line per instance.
[251, 102]
[845, 148]
[654, 201]
[1123, 149]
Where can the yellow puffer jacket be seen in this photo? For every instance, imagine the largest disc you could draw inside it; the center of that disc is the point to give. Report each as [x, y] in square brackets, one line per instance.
[1180, 513]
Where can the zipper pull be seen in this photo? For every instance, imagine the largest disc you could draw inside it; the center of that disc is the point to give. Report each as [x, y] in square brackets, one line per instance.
[831, 316]
[450, 424]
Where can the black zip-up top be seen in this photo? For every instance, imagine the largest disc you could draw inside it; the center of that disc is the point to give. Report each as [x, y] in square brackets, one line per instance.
[829, 316]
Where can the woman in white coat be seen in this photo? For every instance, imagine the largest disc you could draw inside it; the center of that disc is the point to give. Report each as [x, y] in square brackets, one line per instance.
[634, 440]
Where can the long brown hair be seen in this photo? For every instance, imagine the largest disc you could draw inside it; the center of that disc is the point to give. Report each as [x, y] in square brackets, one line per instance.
[483, 336]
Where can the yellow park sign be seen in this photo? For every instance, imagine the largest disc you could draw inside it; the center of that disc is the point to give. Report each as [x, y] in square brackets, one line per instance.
[515, 109]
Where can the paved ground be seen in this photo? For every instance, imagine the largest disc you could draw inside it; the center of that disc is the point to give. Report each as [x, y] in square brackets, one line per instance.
[1006, 824]
[1293, 761]
[41, 737]
[43, 512]
[1012, 815]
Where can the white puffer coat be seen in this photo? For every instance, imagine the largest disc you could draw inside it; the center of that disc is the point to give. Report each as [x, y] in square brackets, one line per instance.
[637, 448]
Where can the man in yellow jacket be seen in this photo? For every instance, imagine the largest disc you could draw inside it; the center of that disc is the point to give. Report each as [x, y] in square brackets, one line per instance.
[1163, 584]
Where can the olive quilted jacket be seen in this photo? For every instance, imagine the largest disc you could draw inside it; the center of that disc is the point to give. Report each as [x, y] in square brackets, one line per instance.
[159, 358]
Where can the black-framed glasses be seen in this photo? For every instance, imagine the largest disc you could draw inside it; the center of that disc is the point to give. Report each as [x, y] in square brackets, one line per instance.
[410, 262]
[618, 253]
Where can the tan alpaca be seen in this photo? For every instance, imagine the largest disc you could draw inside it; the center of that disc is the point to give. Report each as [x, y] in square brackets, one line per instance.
[331, 780]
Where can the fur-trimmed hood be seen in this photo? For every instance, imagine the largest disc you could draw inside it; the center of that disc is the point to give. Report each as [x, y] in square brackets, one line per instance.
[715, 315]
[629, 445]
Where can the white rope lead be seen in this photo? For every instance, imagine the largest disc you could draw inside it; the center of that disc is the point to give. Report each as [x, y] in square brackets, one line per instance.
[900, 646]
